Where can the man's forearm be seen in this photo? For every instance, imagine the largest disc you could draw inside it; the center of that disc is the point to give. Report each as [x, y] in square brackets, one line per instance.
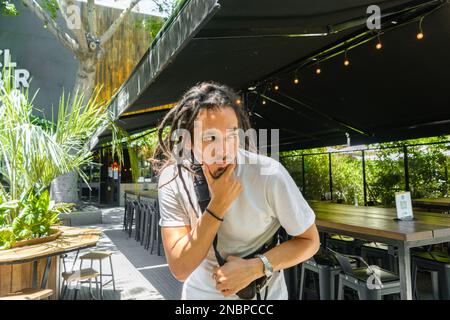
[190, 250]
[287, 254]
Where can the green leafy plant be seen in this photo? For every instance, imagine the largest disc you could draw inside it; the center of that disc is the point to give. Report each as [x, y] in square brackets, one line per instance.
[33, 153]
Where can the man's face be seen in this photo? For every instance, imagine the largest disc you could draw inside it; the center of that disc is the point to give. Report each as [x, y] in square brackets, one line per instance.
[216, 138]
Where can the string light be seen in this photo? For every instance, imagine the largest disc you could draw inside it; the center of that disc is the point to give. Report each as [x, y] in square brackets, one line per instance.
[276, 87]
[296, 80]
[346, 61]
[264, 102]
[420, 34]
[378, 46]
[238, 101]
[318, 70]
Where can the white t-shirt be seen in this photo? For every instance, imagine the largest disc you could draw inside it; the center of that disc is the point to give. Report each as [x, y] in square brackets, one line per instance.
[269, 198]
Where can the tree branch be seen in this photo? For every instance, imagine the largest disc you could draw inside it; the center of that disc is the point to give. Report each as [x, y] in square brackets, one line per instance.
[65, 39]
[112, 29]
[80, 33]
[91, 13]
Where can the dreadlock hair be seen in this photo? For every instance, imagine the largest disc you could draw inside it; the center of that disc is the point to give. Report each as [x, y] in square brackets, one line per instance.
[204, 95]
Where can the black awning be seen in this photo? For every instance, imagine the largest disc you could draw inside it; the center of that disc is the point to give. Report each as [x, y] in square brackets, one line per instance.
[398, 92]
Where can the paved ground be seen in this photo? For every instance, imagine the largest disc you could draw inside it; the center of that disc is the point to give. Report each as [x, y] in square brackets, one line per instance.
[138, 275]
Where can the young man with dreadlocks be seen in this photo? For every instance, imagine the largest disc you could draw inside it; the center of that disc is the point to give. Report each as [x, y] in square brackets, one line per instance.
[251, 197]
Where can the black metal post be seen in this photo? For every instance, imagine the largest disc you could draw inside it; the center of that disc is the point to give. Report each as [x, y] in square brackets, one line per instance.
[330, 175]
[364, 176]
[406, 167]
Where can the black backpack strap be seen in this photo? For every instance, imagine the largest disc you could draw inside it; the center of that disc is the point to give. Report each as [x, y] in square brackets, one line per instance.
[220, 260]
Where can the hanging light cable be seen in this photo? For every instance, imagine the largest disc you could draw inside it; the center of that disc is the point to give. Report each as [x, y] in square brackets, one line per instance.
[296, 80]
[378, 46]
[346, 60]
[420, 34]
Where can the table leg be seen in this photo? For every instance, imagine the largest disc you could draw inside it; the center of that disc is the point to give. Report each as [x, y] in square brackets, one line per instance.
[404, 268]
[35, 273]
[48, 264]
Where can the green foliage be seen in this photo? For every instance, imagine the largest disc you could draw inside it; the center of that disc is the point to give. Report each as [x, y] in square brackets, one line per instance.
[429, 166]
[33, 152]
[31, 217]
[7, 8]
[52, 7]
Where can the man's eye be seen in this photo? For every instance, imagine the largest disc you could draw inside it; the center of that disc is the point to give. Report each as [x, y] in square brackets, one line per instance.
[209, 138]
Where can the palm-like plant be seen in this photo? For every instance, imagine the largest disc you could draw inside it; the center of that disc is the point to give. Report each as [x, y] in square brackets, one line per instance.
[34, 155]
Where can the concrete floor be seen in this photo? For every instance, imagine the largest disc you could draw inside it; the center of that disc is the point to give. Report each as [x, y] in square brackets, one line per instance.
[138, 274]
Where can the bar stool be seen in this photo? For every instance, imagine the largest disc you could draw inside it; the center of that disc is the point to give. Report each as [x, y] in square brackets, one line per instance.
[148, 224]
[137, 219]
[370, 283]
[143, 223]
[153, 223]
[376, 253]
[157, 228]
[132, 205]
[437, 263]
[79, 276]
[344, 244]
[326, 266]
[99, 256]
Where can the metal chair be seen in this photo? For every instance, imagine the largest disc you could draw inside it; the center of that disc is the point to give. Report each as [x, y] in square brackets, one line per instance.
[344, 244]
[376, 253]
[437, 263]
[137, 219]
[156, 230]
[370, 282]
[326, 266]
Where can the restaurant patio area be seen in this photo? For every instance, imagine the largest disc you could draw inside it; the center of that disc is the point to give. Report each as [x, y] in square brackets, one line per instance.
[357, 114]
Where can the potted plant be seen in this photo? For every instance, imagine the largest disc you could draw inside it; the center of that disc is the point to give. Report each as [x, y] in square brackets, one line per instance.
[34, 151]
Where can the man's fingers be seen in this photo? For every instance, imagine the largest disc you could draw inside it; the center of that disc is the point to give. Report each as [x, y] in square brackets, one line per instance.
[229, 170]
[207, 174]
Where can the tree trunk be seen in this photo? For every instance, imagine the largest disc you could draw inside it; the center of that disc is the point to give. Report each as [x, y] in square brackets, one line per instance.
[85, 78]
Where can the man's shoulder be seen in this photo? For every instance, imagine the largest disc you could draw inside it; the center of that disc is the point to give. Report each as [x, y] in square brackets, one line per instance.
[167, 175]
[264, 164]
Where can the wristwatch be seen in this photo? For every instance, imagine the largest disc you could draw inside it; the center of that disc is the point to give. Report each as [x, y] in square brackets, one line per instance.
[268, 269]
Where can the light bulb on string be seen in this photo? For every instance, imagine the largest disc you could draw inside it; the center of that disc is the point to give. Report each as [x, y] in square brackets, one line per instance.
[346, 61]
[276, 87]
[296, 80]
[264, 102]
[420, 34]
[378, 46]
[318, 70]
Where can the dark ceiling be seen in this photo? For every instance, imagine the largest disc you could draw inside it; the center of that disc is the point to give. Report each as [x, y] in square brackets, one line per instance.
[401, 91]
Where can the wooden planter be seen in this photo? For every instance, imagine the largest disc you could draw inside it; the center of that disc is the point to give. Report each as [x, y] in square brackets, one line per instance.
[19, 276]
[55, 233]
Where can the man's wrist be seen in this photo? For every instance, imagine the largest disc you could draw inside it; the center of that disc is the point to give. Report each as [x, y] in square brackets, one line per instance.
[257, 267]
[216, 209]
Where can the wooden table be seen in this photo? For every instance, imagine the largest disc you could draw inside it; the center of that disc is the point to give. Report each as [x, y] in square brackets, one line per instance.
[377, 224]
[438, 203]
[151, 193]
[16, 263]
